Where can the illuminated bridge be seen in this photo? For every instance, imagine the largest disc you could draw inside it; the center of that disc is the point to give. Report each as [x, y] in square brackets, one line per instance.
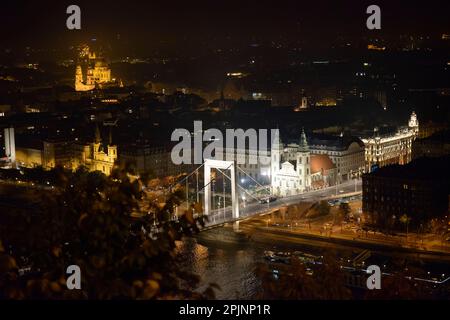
[223, 198]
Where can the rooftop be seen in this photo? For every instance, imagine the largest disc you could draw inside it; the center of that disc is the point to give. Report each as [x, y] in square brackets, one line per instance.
[421, 168]
[339, 143]
[321, 162]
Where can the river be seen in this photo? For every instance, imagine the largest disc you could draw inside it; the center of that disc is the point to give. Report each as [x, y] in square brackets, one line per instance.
[231, 267]
[229, 260]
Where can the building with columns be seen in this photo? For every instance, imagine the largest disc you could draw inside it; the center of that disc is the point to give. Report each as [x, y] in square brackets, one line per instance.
[92, 70]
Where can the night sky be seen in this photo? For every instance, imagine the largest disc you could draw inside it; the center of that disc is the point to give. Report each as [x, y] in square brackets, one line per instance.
[42, 23]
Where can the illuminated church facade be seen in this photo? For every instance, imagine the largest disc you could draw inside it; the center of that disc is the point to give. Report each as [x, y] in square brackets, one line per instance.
[290, 167]
[92, 70]
[95, 156]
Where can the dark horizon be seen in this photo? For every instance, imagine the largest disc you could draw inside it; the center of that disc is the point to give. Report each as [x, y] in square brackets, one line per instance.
[146, 25]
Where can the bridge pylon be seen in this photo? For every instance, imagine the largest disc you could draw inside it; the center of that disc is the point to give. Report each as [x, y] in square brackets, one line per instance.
[224, 165]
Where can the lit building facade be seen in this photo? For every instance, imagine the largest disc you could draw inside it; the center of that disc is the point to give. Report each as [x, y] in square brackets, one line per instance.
[346, 152]
[95, 156]
[91, 70]
[391, 149]
[10, 145]
[290, 167]
[29, 157]
[152, 159]
[293, 168]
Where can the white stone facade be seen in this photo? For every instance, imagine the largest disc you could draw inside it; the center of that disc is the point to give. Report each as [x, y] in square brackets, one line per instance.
[290, 167]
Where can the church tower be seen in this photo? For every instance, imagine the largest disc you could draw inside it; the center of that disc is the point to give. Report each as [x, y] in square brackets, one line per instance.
[413, 123]
[303, 162]
[97, 140]
[275, 154]
[78, 79]
[92, 70]
[112, 149]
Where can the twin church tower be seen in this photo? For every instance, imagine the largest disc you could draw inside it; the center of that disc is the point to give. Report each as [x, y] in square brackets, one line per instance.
[290, 167]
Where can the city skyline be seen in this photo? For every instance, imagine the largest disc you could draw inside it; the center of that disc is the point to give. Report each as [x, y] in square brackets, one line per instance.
[224, 150]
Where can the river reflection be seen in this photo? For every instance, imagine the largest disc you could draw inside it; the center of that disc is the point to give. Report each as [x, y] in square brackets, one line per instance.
[222, 257]
[230, 266]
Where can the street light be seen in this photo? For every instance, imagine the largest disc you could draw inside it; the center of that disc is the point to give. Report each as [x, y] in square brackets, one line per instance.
[218, 202]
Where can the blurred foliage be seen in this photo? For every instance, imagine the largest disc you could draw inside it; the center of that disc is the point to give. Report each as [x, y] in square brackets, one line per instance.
[99, 224]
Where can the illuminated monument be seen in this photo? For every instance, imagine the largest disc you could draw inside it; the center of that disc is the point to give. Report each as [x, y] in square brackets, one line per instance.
[10, 145]
[95, 156]
[290, 170]
[92, 70]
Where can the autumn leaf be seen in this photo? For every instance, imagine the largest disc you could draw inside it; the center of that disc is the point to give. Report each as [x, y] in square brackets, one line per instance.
[55, 287]
[7, 263]
[82, 217]
[57, 251]
[151, 289]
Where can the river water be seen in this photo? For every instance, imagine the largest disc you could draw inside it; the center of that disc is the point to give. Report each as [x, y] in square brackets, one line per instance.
[229, 260]
[231, 266]
[221, 257]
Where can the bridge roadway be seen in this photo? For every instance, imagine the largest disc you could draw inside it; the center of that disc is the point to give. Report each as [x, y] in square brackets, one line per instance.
[219, 216]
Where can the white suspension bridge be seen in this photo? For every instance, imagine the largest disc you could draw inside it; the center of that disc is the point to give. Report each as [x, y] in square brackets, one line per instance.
[222, 195]
[225, 198]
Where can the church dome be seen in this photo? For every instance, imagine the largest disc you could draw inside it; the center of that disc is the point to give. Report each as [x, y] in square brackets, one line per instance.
[100, 64]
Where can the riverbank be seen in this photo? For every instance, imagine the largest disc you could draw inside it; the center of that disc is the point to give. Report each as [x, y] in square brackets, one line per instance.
[253, 231]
